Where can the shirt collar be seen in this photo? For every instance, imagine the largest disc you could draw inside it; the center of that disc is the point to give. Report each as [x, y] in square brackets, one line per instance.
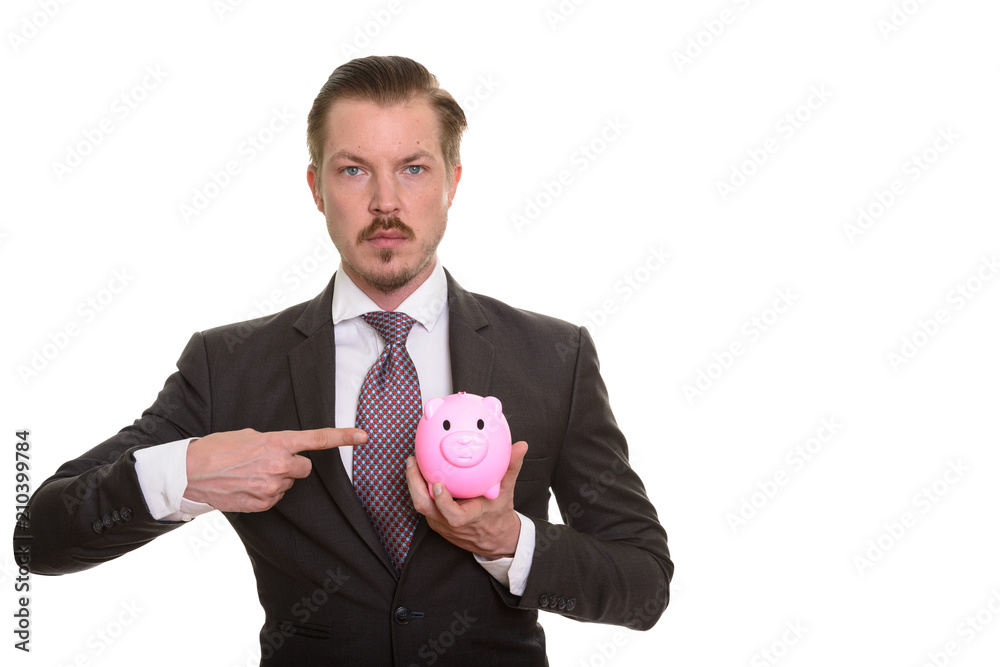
[425, 305]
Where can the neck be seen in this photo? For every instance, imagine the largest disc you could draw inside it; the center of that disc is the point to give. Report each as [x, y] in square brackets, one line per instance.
[390, 300]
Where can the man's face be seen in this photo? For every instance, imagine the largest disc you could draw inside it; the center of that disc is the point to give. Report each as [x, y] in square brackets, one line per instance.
[385, 190]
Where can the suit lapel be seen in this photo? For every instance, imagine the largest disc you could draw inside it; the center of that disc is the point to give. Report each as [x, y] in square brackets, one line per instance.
[471, 353]
[312, 365]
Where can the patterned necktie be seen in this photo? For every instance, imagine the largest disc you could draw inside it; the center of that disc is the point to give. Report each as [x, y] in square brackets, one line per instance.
[388, 410]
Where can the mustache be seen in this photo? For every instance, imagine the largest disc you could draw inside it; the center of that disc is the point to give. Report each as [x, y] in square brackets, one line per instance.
[384, 224]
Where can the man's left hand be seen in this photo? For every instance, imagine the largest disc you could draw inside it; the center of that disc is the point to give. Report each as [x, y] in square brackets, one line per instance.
[488, 528]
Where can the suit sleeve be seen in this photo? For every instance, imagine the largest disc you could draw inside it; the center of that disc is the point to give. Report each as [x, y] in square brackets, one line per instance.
[92, 509]
[609, 562]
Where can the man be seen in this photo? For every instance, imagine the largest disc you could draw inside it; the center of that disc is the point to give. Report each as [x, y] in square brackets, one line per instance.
[356, 561]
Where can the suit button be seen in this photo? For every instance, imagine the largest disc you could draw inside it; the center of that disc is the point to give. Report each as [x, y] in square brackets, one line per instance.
[562, 602]
[543, 601]
[570, 604]
[401, 615]
[107, 521]
[126, 514]
[116, 517]
[98, 526]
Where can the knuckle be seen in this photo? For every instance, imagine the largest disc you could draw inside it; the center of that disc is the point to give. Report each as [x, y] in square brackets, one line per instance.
[260, 505]
[263, 488]
[420, 505]
[274, 487]
[275, 465]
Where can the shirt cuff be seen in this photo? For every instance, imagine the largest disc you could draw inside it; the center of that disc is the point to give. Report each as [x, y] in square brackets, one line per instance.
[513, 572]
[162, 473]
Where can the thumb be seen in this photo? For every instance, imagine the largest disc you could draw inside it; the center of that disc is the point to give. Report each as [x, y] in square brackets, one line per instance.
[517, 453]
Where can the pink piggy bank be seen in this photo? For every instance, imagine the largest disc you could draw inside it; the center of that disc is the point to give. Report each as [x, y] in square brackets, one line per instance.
[463, 441]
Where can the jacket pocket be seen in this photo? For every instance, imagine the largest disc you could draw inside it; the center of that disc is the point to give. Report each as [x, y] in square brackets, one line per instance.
[311, 630]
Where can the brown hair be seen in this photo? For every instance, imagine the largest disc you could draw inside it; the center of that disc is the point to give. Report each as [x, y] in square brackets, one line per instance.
[386, 81]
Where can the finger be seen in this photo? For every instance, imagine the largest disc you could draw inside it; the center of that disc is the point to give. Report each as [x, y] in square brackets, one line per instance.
[322, 438]
[517, 453]
[299, 467]
[454, 513]
[417, 485]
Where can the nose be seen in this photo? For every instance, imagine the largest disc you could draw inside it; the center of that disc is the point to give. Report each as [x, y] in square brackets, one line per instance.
[385, 198]
[464, 449]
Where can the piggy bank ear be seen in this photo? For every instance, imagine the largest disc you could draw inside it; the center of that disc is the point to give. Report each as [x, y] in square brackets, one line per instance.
[492, 405]
[432, 405]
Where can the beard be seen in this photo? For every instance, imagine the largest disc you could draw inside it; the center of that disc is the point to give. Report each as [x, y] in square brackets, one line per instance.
[384, 278]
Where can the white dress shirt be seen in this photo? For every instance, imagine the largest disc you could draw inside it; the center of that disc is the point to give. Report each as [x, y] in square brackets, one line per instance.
[162, 469]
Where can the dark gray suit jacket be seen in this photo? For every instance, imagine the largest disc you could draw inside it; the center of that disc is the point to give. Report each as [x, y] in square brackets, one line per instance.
[329, 593]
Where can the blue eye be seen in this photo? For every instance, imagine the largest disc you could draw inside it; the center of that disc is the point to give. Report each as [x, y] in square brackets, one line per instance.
[352, 171]
[410, 169]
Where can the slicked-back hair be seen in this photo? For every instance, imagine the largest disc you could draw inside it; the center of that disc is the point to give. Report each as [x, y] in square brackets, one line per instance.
[386, 81]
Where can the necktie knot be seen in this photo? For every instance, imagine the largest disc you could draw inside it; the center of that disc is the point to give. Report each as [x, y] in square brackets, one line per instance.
[393, 326]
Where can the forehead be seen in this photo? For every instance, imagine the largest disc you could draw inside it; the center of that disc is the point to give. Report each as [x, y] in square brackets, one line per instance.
[373, 131]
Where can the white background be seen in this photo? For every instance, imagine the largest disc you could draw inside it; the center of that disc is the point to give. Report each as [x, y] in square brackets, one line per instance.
[682, 129]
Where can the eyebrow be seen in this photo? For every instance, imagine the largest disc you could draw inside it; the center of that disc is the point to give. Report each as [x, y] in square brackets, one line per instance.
[351, 157]
[419, 155]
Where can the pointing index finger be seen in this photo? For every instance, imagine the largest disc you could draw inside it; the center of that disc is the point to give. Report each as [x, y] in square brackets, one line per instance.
[324, 438]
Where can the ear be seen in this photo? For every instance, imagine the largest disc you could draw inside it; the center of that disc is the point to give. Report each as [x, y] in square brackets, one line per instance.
[492, 405]
[455, 178]
[312, 177]
[432, 405]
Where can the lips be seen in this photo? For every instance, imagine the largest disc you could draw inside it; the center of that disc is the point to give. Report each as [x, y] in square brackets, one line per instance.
[387, 240]
[386, 235]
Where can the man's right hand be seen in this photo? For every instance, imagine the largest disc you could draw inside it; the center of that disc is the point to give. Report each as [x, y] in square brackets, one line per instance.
[249, 471]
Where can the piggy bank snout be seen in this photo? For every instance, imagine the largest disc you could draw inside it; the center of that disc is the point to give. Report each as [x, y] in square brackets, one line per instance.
[464, 449]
